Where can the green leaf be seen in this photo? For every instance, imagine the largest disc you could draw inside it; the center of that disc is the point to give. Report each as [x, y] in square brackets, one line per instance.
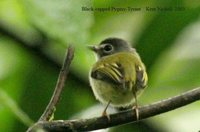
[162, 32]
[14, 19]
[176, 71]
[65, 23]
[11, 105]
[12, 73]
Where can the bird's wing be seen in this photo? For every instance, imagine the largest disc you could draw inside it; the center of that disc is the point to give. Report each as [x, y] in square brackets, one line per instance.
[141, 77]
[125, 69]
[108, 72]
[134, 73]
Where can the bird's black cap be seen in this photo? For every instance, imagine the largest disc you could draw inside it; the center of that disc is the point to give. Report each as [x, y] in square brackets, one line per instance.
[111, 46]
[118, 42]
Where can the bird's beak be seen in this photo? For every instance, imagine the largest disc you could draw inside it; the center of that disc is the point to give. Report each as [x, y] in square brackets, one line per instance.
[93, 48]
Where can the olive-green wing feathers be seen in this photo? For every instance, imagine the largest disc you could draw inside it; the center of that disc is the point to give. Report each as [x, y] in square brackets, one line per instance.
[141, 77]
[124, 69]
[109, 72]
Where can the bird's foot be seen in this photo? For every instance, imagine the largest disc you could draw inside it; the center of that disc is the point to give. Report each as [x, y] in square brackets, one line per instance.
[136, 111]
[104, 113]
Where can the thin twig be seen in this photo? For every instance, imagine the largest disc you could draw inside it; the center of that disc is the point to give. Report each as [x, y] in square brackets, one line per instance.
[59, 86]
[35, 47]
[122, 117]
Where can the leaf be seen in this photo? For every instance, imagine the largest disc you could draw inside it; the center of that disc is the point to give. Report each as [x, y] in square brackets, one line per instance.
[12, 73]
[10, 104]
[13, 19]
[65, 23]
[62, 20]
[162, 32]
[176, 71]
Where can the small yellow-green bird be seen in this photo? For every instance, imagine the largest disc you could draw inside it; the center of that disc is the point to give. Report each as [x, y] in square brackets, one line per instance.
[119, 76]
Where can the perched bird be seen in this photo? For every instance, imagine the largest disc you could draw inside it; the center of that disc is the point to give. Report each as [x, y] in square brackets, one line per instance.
[119, 76]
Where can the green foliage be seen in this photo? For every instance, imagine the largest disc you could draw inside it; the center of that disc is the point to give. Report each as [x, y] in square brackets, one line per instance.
[168, 43]
[64, 23]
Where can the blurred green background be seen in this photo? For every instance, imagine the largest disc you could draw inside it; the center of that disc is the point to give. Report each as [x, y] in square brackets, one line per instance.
[34, 36]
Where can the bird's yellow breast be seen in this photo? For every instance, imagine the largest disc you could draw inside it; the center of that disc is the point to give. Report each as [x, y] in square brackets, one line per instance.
[105, 91]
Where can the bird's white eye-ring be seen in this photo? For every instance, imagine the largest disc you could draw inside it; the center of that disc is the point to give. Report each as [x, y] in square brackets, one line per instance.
[107, 48]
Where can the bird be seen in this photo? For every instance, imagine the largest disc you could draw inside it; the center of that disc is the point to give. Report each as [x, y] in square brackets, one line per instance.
[119, 76]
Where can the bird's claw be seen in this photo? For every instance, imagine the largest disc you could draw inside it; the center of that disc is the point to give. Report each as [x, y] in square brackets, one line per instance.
[136, 111]
[105, 114]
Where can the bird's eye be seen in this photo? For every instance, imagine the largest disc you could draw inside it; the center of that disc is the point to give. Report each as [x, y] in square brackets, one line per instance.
[108, 48]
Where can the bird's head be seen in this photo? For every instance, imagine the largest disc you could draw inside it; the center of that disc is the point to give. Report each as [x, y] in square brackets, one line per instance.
[111, 46]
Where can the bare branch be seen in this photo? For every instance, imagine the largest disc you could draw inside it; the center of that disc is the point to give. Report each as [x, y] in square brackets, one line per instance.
[59, 86]
[99, 122]
[122, 117]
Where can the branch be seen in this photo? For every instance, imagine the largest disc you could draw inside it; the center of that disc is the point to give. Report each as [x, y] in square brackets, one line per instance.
[34, 48]
[98, 122]
[122, 117]
[59, 86]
